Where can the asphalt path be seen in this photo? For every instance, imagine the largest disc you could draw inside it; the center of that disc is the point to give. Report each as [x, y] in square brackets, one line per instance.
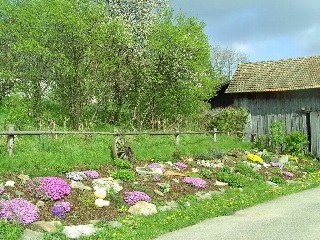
[295, 217]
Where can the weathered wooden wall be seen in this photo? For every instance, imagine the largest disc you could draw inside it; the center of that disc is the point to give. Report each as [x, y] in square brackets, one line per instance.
[289, 106]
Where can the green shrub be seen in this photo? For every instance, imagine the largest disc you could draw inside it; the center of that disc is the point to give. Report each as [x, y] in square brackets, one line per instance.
[296, 142]
[122, 163]
[277, 179]
[247, 171]
[277, 135]
[276, 170]
[124, 175]
[226, 169]
[308, 168]
[233, 179]
[261, 143]
[62, 169]
[205, 173]
[227, 119]
[192, 174]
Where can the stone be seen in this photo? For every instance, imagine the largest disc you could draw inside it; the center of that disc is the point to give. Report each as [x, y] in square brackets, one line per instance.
[164, 208]
[115, 224]
[146, 171]
[23, 177]
[79, 185]
[9, 184]
[221, 183]
[158, 192]
[203, 195]
[77, 231]
[18, 193]
[5, 197]
[271, 183]
[283, 159]
[31, 235]
[40, 203]
[142, 207]
[172, 204]
[175, 180]
[50, 227]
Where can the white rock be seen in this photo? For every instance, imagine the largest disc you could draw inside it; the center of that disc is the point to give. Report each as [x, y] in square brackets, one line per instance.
[77, 231]
[142, 207]
[9, 184]
[101, 203]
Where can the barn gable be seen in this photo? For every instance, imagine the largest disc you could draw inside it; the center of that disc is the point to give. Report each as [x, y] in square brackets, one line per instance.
[287, 90]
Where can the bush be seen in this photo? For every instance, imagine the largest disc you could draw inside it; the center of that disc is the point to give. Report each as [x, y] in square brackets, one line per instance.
[227, 119]
[277, 179]
[205, 173]
[247, 171]
[277, 135]
[122, 163]
[296, 142]
[124, 175]
[226, 169]
[234, 180]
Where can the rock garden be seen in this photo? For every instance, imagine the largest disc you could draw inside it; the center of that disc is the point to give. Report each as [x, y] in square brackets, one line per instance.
[82, 197]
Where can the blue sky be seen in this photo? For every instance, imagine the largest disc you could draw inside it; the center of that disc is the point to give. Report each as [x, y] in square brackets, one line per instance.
[263, 29]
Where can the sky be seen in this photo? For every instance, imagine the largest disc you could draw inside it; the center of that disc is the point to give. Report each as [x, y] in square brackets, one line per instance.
[262, 29]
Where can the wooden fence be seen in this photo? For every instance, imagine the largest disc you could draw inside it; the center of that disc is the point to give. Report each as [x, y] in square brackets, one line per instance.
[11, 133]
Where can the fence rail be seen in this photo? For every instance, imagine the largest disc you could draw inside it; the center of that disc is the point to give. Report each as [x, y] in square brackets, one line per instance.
[11, 133]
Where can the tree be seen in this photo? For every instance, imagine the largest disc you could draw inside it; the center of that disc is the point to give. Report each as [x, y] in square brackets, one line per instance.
[226, 60]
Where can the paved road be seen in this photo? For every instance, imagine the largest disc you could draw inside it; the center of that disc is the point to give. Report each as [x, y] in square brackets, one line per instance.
[294, 217]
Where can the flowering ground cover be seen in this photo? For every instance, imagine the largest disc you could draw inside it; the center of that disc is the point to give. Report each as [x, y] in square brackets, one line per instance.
[74, 206]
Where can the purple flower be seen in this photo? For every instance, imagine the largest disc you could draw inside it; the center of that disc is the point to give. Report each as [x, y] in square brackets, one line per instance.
[66, 206]
[180, 164]
[48, 188]
[273, 164]
[1, 189]
[135, 196]
[19, 210]
[156, 179]
[91, 173]
[196, 182]
[288, 174]
[59, 212]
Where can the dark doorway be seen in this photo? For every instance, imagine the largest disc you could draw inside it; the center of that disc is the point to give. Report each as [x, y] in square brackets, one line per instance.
[308, 130]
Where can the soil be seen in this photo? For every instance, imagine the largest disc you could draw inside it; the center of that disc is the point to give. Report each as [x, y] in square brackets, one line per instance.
[82, 214]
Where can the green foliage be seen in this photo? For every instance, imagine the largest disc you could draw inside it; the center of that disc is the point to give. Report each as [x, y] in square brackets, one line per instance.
[62, 168]
[192, 174]
[120, 203]
[261, 143]
[12, 231]
[291, 168]
[206, 173]
[142, 188]
[87, 198]
[225, 169]
[277, 179]
[277, 135]
[296, 142]
[233, 179]
[227, 119]
[124, 175]
[307, 167]
[122, 163]
[276, 170]
[247, 171]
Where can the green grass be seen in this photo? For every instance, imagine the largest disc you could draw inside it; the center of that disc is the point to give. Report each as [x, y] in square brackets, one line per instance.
[42, 155]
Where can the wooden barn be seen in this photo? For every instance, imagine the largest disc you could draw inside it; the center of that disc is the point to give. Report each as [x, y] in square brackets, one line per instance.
[287, 90]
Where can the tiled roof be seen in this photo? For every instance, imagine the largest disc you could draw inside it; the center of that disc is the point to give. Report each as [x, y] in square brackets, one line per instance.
[276, 75]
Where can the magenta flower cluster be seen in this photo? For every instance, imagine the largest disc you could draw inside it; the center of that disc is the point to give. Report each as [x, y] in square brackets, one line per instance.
[273, 164]
[288, 174]
[196, 182]
[53, 188]
[60, 208]
[91, 173]
[156, 165]
[19, 210]
[135, 196]
[1, 189]
[156, 179]
[180, 164]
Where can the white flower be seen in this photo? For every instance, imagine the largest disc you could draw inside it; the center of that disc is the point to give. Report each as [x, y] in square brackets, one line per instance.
[9, 184]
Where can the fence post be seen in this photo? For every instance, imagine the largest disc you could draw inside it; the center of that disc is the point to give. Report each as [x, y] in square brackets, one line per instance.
[10, 140]
[242, 137]
[214, 134]
[177, 137]
[116, 133]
